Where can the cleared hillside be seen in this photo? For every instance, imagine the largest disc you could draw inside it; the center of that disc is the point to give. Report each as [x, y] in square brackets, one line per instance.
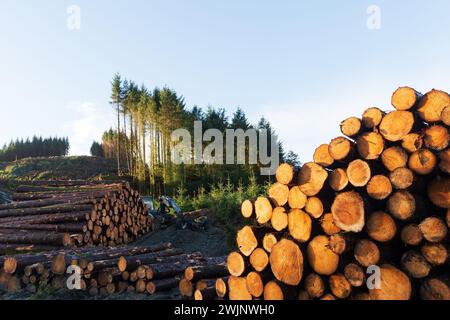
[75, 168]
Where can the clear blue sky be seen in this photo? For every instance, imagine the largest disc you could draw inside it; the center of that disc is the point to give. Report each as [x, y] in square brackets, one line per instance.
[305, 65]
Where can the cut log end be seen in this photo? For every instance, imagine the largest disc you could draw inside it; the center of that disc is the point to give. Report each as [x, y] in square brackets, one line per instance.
[286, 261]
[320, 257]
[367, 253]
[396, 125]
[394, 285]
[348, 211]
[322, 156]
[405, 98]
[372, 118]
[381, 227]
[432, 105]
[247, 209]
[370, 145]
[351, 126]
[402, 205]
[263, 210]
[379, 187]
[285, 174]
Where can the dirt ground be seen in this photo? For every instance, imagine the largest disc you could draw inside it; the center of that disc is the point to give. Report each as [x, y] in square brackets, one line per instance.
[212, 243]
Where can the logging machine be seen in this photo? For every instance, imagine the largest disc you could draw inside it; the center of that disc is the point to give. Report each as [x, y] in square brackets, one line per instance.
[169, 213]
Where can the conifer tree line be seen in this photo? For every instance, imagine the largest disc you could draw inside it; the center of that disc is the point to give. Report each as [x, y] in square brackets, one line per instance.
[145, 120]
[36, 147]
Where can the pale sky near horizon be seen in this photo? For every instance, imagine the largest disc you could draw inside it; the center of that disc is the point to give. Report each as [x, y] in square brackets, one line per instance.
[304, 65]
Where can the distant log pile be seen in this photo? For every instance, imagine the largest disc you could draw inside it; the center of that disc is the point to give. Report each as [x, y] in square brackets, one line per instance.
[377, 196]
[72, 213]
[104, 271]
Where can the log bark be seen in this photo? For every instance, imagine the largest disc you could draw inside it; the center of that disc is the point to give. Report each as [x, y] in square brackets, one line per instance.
[57, 239]
[161, 285]
[132, 262]
[196, 273]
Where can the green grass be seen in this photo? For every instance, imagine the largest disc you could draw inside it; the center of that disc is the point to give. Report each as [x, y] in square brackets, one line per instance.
[225, 200]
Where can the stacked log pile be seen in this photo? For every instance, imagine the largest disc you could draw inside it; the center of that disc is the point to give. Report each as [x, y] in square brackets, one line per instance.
[377, 196]
[199, 281]
[67, 213]
[103, 271]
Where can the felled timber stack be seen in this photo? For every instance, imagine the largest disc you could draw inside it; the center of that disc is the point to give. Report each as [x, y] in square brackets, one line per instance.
[199, 281]
[377, 196]
[67, 213]
[103, 271]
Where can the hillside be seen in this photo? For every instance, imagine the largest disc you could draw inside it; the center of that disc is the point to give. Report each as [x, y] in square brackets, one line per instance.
[78, 168]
